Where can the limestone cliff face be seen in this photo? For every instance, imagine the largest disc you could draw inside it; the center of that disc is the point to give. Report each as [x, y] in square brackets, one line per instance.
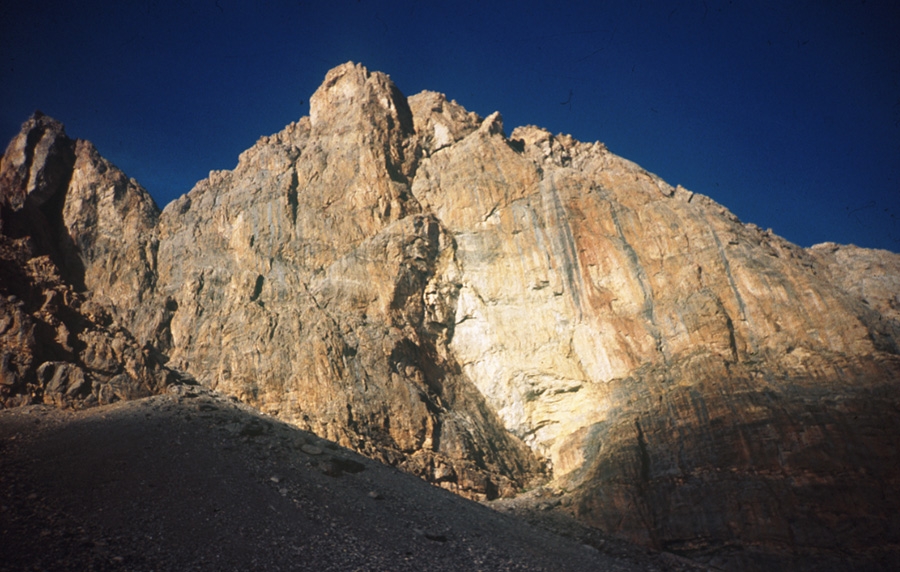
[872, 279]
[401, 276]
[310, 283]
[695, 382]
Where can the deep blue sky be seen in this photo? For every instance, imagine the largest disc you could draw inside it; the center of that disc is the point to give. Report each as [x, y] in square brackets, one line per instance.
[787, 112]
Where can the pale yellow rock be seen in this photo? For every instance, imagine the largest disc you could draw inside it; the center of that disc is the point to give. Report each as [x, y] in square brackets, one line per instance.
[304, 285]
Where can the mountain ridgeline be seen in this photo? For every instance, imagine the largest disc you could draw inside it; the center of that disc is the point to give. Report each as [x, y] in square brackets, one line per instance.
[490, 312]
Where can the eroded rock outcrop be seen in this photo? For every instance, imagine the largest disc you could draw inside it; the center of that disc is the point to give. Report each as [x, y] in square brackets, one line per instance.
[401, 276]
[69, 274]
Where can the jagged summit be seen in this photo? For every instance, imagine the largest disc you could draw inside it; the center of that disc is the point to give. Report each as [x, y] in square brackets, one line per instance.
[36, 163]
[70, 221]
[489, 311]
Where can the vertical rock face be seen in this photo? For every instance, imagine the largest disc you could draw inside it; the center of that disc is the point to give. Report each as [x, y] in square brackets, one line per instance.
[111, 223]
[872, 278]
[310, 283]
[400, 276]
[695, 382]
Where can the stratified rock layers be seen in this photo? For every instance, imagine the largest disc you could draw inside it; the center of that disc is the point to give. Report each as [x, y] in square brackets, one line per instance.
[400, 276]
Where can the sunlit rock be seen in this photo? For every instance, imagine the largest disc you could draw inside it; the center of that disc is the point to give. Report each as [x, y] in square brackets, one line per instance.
[491, 312]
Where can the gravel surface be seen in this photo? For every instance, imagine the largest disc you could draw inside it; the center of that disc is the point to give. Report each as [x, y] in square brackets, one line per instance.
[192, 480]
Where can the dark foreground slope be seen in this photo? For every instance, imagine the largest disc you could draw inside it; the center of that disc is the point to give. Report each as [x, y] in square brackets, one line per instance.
[194, 481]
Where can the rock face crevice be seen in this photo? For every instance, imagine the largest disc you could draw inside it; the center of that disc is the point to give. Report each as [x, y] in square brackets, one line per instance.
[488, 312]
[310, 283]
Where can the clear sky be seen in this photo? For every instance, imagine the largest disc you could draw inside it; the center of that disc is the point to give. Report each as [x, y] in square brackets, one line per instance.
[787, 112]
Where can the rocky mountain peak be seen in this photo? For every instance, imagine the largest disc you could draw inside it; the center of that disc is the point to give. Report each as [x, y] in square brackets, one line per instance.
[36, 164]
[440, 123]
[487, 312]
[351, 92]
[76, 260]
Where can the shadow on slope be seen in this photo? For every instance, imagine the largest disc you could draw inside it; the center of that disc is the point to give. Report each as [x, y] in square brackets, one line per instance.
[192, 480]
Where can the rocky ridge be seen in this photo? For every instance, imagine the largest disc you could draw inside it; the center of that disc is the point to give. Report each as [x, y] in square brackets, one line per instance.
[488, 312]
[71, 222]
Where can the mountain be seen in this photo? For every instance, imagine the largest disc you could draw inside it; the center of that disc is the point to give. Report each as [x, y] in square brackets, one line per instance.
[492, 313]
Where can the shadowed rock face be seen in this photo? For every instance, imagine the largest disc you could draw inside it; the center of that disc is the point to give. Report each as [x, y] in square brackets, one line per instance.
[400, 276]
[77, 250]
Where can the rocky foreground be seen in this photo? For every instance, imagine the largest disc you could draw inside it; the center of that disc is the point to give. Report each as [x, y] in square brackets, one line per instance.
[193, 481]
[491, 312]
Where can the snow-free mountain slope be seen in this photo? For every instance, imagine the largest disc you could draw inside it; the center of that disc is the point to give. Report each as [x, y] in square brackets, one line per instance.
[491, 311]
